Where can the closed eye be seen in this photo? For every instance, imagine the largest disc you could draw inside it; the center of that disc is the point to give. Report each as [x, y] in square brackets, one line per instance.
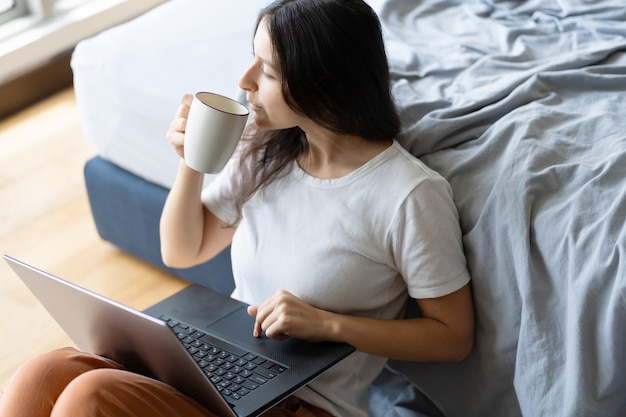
[268, 76]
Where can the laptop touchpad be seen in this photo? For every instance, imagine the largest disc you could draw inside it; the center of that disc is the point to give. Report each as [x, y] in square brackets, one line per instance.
[196, 305]
[237, 328]
[237, 325]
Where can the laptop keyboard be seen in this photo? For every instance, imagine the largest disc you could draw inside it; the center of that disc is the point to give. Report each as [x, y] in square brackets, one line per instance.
[233, 371]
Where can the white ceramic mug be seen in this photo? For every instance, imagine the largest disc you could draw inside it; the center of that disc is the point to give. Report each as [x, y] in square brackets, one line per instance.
[214, 127]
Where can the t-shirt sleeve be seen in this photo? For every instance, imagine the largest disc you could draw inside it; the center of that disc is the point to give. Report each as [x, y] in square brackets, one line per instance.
[426, 242]
[220, 195]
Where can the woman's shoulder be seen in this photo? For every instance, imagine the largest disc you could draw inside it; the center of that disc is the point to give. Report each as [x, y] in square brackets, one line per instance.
[402, 165]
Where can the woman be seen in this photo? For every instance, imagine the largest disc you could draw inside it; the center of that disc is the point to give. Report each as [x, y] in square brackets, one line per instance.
[332, 225]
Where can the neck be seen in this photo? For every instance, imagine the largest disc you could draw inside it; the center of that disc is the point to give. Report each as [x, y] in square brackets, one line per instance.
[332, 155]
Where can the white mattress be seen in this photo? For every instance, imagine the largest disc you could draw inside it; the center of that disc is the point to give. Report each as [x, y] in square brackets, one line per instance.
[129, 79]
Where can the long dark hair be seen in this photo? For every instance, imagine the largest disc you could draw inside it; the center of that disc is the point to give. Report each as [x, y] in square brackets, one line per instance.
[334, 71]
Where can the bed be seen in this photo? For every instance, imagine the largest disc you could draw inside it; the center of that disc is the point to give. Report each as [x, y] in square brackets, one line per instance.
[520, 105]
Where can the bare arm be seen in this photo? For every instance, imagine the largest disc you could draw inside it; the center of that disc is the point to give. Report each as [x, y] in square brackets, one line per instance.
[190, 233]
[444, 333]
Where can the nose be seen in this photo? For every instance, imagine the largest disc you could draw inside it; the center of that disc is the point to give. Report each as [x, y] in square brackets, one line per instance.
[247, 80]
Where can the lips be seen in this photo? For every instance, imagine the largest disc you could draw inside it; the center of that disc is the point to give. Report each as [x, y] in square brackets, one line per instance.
[253, 106]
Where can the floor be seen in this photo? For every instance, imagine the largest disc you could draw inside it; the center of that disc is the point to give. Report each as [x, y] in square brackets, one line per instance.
[45, 220]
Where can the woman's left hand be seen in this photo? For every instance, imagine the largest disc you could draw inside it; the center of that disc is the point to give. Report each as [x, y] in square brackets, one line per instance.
[284, 315]
[444, 332]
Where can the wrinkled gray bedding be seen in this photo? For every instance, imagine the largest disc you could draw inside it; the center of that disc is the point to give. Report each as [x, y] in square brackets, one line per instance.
[522, 107]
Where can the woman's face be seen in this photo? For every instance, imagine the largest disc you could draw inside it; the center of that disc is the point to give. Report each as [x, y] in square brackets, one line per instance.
[263, 84]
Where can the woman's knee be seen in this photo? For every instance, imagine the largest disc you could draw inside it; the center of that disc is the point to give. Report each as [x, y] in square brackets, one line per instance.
[92, 393]
[51, 370]
[36, 385]
[80, 395]
[118, 393]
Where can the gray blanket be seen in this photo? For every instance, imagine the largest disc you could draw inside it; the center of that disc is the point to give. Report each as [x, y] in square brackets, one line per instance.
[522, 107]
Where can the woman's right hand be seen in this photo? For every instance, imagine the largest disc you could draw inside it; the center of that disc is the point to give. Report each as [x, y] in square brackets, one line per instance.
[176, 133]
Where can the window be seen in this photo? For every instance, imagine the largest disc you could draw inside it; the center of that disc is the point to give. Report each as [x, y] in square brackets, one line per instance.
[33, 31]
[6, 5]
[36, 9]
[62, 6]
[10, 9]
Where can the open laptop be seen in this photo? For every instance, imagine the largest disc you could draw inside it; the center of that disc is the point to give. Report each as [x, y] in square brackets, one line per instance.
[197, 340]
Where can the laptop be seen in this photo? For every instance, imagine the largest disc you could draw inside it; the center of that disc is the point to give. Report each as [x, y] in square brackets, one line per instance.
[198, 340]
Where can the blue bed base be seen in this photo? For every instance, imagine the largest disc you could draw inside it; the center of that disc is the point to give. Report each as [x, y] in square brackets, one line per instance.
[127, 209]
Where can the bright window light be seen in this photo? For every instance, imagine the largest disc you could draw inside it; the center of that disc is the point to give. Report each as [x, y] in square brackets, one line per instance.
[10, 9]
[6, 5]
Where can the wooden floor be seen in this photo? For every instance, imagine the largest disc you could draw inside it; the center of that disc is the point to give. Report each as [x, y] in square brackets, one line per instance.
[45, 220]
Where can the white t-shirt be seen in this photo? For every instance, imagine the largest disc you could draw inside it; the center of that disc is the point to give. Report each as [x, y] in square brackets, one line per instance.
[358, 245]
